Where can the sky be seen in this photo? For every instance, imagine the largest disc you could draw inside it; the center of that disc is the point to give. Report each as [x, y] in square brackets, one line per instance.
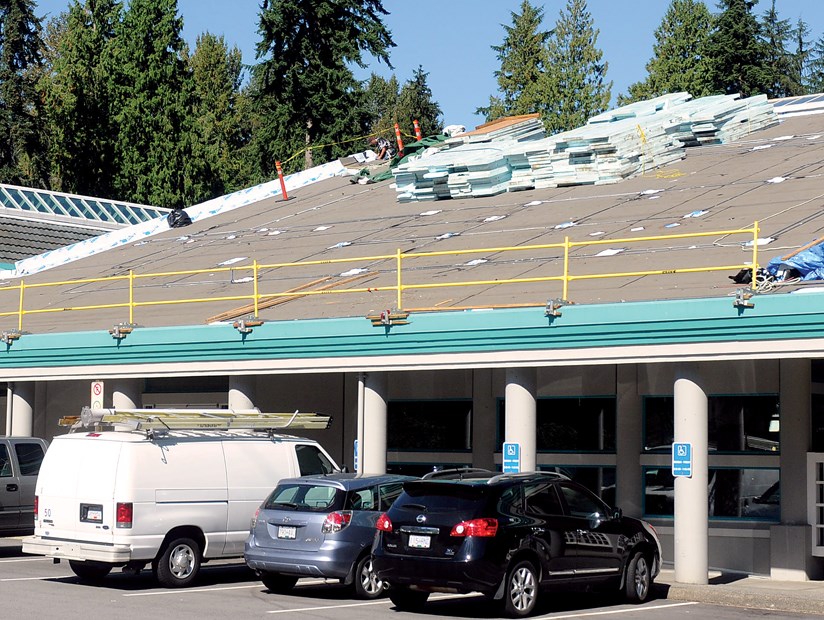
[452, 39]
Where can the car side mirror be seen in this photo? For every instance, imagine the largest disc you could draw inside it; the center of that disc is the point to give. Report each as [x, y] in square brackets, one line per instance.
[617, 514]
[344, 469]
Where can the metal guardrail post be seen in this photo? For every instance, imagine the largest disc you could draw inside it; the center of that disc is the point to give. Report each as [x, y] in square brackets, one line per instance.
[400, 279]
[20, 308]
[131, 296]
[566, 269]
[255, 284]
[754, 283]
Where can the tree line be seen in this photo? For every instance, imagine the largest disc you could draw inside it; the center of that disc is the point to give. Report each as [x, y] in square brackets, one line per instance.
[107, 99]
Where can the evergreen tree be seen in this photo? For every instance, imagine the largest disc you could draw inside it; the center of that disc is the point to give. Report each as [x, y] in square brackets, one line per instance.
[573, 85]
[738, 56]
[801, 56]
[679, 62]
[523, 57]
[151, 94]
[77, 93]
[380, 104]
[216, 133]
[415, 103]
[306, 97]
[780, 68]
[815, 75]
[22, 153]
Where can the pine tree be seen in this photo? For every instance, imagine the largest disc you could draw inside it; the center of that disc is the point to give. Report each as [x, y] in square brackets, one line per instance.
[573, 86]
[22, 153]
[380, 104]
[815, 74]
[305, 95]
[738, 56]
[784, 80]
[679, 62]
[151, 94]
[523, 57]
[216, 133]
[77, 93]
[415, 103]
[801, 56]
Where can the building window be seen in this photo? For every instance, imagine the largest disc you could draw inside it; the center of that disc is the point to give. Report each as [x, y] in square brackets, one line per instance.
[570, 424]
[752, 494]
[430, 425]
[735, 423]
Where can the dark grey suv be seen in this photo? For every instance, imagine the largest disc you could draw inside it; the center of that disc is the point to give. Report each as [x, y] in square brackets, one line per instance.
[508, 536]
[321, 526]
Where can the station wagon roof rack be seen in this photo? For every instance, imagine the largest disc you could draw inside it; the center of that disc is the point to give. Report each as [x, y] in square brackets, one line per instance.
[154, 420]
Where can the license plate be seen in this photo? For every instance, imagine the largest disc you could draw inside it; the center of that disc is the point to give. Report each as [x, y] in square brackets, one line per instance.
[94, 515]
[418, 542]
[286, 531]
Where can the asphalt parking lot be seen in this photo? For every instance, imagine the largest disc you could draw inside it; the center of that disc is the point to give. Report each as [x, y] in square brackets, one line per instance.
[33, 586]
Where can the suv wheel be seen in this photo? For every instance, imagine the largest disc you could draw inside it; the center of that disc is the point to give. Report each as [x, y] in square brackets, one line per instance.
[179, 563]
[277, 583]
[638, 579]
[366, 584]
[521, 590]
[405, 599]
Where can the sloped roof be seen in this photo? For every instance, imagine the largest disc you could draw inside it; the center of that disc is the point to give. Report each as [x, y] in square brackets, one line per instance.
[773, 176]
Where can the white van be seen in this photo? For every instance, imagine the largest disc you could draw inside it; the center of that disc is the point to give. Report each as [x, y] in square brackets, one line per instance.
[172, 498]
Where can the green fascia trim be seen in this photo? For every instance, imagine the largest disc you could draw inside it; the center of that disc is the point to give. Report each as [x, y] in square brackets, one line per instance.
[7, 266]
[774, 317]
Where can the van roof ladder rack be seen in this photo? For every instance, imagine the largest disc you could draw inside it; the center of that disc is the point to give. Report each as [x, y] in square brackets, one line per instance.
[194, 419]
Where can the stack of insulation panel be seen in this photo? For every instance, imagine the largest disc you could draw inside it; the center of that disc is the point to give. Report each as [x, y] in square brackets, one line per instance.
[514, 154]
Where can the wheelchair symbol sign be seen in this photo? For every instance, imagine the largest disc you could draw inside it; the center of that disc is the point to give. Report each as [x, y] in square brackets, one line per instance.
[511, 457]
[682, 460]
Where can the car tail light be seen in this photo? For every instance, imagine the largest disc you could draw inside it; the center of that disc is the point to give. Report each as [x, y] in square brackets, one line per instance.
[336, 521]
[476, 527]
[253, 522]
[36, 505]
[383, 523]
[124, 512]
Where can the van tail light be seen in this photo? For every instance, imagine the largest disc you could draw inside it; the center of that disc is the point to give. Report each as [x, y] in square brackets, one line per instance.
[124, 513]
[336, 521]
[384, 524]
[36, 506]
[476, 527]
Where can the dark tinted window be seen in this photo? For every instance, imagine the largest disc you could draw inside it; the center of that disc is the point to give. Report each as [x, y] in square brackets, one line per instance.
[389, 493]
[5, 462]
[312, 461]
[581, 503]
[29, 457]
[305, 497]
[363, 499]
[429, 425]
[542, 500]
[438, 497]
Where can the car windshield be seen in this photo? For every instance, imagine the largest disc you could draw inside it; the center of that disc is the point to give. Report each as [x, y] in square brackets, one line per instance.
[305, 497]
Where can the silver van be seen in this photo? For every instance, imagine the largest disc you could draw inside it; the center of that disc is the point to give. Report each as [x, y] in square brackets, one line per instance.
[20, 459]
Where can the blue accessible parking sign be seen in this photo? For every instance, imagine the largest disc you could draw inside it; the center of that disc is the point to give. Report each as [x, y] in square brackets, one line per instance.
[511, 458]
[682, 460]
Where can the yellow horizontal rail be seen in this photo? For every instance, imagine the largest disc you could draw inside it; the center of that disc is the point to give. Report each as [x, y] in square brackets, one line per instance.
[399, 287]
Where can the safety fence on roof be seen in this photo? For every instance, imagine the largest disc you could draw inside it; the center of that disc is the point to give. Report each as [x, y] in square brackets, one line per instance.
[339, 283]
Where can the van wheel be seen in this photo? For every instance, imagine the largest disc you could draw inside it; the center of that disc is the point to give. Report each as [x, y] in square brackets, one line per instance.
[638, 580]
[405, 599]
[179, 564]
[521, 590]
[366, 584]
[277, 583]
[90, 571]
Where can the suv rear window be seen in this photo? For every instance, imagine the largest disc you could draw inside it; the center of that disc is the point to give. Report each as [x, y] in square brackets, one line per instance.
[442, 497]
[305, 498]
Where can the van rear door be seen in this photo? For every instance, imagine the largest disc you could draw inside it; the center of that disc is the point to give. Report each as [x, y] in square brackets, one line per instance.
[75, 488]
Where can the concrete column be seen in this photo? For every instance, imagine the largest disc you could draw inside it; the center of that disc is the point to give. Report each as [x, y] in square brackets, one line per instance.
[521, 413]
[242, 392]
[484, 420]
[629, 434]
[790, 542]
[127, 394]
[373, 449]
[691, 523]
[20, 415]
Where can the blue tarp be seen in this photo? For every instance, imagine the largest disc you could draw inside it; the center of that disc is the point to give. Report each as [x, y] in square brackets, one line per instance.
[808, 263]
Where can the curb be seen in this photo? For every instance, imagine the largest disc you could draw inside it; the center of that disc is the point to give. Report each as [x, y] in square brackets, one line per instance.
[809, 600]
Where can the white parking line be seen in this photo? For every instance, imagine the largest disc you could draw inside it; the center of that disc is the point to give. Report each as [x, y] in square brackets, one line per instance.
[380, 602]
[25, 560]
[37, 578]
[611, 612]
[192, 590]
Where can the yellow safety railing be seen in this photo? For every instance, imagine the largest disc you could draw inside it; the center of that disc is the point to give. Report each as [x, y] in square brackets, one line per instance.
[399, 258]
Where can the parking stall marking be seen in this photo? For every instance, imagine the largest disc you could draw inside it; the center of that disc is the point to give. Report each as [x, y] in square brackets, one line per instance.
[385, 601]
[25, 560]
[36, 578]
[307, 582]
[610, 612]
